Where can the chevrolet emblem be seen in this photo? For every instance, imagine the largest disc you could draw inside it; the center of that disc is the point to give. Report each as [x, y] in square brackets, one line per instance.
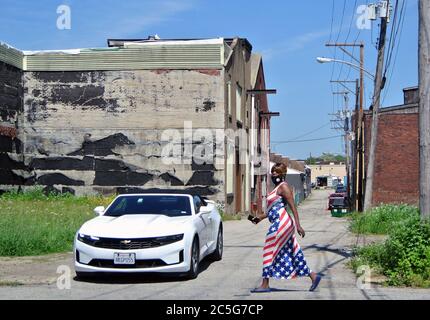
[125, 241]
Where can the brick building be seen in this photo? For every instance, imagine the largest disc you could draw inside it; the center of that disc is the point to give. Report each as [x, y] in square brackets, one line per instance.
[397, 156]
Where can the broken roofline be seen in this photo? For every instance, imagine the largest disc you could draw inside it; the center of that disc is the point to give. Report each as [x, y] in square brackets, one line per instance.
[165, 54]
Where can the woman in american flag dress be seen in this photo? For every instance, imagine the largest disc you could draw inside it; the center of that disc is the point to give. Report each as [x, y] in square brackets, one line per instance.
[283, 257]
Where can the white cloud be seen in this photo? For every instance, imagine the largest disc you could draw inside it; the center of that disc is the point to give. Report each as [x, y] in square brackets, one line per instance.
[162, 12]
[294, 44]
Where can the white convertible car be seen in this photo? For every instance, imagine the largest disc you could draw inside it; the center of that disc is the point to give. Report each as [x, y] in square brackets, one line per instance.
[168, 233]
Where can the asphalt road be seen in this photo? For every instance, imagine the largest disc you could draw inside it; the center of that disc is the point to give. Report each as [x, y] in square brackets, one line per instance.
[327, 248]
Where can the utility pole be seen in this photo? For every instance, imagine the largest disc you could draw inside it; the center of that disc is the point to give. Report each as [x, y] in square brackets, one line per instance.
[379, 84]
[352, 161]
[359, 135]
[341, 123]
[424, 106]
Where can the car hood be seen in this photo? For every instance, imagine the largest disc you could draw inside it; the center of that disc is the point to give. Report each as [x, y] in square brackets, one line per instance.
[135, 226]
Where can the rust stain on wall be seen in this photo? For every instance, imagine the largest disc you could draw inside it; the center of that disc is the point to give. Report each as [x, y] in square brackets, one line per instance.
[161, 71]
[8, 132]
[210, 72]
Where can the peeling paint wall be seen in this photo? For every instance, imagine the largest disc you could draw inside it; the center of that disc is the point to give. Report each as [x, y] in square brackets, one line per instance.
[10, 111]
[101, 131]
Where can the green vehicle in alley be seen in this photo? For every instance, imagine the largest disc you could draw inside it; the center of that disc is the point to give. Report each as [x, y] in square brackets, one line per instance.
[340, 206]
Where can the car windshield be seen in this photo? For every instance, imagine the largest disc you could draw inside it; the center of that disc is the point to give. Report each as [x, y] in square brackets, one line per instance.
[172, 206]
[339, 201]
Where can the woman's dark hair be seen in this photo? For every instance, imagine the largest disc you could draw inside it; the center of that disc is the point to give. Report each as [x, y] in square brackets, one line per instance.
[279, 168]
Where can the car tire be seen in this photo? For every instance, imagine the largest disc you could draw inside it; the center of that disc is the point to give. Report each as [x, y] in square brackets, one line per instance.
[194, 260]
[217, 254]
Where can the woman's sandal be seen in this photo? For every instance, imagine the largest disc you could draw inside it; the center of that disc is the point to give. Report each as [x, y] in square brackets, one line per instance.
[315, 283]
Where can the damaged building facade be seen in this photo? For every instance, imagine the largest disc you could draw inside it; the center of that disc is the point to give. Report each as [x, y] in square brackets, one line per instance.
[99, 120]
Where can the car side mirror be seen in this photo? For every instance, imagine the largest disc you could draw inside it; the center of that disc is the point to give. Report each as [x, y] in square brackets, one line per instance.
[99, 210]
[206, 209]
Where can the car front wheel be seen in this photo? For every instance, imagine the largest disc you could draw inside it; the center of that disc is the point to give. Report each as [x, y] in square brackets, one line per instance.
[217, 254]
[194, 260]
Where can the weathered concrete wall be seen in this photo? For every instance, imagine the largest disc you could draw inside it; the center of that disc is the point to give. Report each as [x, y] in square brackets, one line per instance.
[98, 131]
[10, 111]
[238, 73]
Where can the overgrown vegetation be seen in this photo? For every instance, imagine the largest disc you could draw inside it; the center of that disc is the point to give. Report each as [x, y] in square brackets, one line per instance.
[228, 216]
[404, 258]
[326, 157]
[33, 223]
[382, 219]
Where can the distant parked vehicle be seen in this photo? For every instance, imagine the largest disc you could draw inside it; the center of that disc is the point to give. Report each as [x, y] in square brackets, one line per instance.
[341, 189]
[340, 206]
[334, 196]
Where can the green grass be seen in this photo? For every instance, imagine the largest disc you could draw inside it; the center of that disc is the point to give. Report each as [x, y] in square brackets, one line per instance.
[382, 219]
[227, 216]
[404, 258]
[32, 223]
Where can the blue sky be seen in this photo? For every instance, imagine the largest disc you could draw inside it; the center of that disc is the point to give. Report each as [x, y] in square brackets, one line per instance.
[289, 34]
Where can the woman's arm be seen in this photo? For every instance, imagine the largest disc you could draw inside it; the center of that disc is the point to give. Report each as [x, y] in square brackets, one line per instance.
[287, 194]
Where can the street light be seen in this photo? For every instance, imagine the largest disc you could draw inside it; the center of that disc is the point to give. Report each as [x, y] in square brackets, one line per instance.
[326, 60]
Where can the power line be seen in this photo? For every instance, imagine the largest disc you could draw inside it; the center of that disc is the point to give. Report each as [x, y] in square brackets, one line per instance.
[346, 39]
[310, 132]
[402, 17]
[353, 48]
[317, 139]
[338, 36]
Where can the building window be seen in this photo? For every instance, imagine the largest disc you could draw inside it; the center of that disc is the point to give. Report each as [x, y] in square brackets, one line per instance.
[238, 103]
[229, 168]
[229, 97]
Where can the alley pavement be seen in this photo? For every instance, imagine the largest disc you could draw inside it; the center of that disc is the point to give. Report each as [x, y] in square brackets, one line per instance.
[327, 248]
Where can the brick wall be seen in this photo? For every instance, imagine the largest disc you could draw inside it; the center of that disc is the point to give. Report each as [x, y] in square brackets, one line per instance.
[397, 158]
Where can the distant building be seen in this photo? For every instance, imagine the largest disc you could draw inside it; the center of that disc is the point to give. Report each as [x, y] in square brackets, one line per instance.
[330, 170]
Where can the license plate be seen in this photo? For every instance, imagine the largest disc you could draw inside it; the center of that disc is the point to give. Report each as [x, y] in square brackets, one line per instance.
[124, 258]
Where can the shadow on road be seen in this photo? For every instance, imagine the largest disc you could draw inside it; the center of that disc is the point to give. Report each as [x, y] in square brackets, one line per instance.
[136, 278]
[339, 251]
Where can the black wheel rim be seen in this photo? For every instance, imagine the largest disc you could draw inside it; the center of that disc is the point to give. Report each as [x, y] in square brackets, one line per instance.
[220, 243]
[195, 257]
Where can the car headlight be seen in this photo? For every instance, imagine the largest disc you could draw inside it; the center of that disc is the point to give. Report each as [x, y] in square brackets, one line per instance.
[169, 239]
[87, 239]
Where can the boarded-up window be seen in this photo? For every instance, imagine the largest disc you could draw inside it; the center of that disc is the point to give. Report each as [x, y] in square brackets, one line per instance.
[229, 168]
[238, 103]
[229, 97]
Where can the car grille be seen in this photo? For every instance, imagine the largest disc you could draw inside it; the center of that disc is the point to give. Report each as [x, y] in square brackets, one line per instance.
[100, 263]
[132, 244]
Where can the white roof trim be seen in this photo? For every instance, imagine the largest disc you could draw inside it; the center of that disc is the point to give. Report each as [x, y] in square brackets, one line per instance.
[39, 52]
[169, 43]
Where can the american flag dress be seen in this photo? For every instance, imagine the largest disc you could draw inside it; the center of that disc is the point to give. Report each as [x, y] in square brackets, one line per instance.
[282, 258]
